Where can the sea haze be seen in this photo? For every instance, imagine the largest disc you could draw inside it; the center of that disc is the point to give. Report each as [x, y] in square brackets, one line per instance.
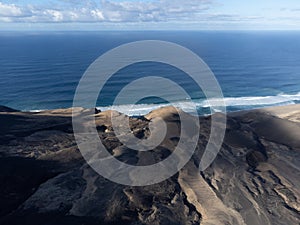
[254, 68]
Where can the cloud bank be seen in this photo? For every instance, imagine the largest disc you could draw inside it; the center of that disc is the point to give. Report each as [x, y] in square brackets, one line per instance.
[104, 11]
[150, 14]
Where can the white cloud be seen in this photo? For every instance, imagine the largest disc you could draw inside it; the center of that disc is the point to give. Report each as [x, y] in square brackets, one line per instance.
[54, 15]
[97, 14]
[10, 10]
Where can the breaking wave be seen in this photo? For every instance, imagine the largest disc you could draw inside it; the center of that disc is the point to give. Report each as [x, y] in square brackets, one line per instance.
[232, 104]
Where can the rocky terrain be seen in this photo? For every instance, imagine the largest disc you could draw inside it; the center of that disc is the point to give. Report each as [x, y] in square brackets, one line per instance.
[254, 180]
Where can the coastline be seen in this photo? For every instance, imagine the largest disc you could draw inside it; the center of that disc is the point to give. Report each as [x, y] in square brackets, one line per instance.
[233, 104]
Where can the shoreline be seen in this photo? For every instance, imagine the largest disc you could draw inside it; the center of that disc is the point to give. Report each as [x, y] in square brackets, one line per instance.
[271, 109]
[203, 105]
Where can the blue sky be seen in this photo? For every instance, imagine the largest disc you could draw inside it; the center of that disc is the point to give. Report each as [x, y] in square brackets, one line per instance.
[149, 14]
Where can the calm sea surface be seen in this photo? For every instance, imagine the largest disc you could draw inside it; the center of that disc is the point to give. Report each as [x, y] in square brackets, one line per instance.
[255, 69]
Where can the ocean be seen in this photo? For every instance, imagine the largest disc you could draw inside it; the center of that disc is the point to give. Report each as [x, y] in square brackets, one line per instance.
[41, 70]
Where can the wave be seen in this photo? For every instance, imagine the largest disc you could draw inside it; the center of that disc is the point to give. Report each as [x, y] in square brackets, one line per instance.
[255, 101]
[204, 106]
[249, 102]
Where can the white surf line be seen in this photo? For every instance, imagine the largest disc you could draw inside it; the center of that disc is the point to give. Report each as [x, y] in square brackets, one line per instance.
[206, 202]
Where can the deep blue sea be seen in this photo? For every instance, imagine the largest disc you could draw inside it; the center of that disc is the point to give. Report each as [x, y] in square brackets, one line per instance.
[41, 70]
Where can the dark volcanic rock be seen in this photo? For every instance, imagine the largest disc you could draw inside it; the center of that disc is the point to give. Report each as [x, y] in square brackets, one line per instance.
[255, 157]
[7, 109]
[20, 178]
[254, 180]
